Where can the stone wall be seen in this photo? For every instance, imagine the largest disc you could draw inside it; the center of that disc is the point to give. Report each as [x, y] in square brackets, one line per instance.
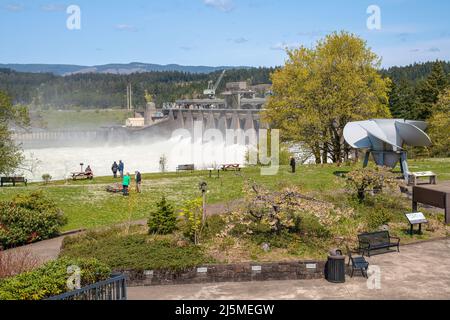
[299, 270]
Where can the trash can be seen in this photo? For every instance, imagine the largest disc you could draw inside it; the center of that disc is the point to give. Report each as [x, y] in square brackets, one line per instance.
[335, 269]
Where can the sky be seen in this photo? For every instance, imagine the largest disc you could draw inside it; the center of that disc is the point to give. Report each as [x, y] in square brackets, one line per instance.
[215, 32]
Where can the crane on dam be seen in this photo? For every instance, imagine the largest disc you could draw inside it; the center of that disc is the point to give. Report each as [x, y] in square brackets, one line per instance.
[211, 91]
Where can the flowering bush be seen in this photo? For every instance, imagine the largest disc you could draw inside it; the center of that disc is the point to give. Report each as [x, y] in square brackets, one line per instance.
[282, 211]
[375, 180]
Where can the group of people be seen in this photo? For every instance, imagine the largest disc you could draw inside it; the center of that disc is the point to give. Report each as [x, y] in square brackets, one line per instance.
[126, 178]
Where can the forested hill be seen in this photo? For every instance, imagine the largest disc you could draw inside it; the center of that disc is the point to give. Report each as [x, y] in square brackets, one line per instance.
[113, 68]
[95, 90]
[414, 73]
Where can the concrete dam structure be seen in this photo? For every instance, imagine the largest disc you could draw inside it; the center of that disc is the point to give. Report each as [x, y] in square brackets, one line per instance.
[220, 119]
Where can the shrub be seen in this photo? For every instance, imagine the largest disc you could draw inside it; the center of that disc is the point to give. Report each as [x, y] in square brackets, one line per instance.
[46, 177]
[51, 279]
[377, 217]
[135, 251]
[163, 220]
[361, 181]
[29, 218]
[16, 262]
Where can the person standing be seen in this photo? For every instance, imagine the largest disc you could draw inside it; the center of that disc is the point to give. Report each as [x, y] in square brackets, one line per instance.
[293, 164]
[115, 168]
[121, 168]
[126, 184]
[138, 179]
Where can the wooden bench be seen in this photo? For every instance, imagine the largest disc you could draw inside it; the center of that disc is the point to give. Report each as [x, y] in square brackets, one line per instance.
[13, 180]
[414, 177]
[235, 167]
[377, 240]
[186, 167]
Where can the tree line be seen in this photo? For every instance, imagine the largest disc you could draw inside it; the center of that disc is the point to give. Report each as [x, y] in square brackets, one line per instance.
[109, 90]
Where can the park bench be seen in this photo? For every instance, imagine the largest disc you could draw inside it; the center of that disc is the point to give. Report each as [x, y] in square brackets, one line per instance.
[226, 167]
[13, 180]
[374, 241]
[186, 167]
[414, 177]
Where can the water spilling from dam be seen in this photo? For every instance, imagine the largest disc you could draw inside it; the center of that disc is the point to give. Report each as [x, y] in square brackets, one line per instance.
[60, 162]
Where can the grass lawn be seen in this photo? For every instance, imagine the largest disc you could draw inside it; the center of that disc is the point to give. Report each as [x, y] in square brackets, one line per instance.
[88, 205]
[81, 119]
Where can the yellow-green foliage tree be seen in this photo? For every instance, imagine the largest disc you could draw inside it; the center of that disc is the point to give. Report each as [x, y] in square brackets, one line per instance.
[439, 126]
[321, 89]
[10, 154]
[191, 221]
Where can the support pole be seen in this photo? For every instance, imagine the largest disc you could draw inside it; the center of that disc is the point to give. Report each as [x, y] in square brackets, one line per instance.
[366, 159]
[404, 165]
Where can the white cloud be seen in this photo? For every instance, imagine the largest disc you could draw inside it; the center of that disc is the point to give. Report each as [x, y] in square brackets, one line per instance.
[405, 53]
[53, 7]
[222, 5]
[126, 27]
[283, 46]
[14, 7]
[239, 40]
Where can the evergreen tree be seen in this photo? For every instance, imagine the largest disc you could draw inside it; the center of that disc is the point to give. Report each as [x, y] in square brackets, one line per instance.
[403, 100]
[439, 126]
[163, 220]
[430, 89]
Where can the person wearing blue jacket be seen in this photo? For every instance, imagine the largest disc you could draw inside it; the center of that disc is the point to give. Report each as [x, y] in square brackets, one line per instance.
[121, 168]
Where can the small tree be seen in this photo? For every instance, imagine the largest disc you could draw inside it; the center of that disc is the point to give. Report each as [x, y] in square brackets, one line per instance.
[362, 181]
[191, 219]
[163, 220]
[46, 177]
[162, 163]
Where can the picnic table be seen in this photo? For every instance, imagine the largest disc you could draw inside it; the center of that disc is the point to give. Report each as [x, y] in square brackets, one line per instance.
[82, 176]
[236, 167]
[414, 177]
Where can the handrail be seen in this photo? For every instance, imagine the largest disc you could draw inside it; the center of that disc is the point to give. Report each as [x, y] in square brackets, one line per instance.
[119, 292]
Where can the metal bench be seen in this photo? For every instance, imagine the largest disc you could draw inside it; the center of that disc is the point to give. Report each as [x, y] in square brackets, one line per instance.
[374, 241]
[358, 263]
[13, 180]
[186, 167]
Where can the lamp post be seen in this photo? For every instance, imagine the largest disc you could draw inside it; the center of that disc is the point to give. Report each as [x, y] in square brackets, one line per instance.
[203, 186]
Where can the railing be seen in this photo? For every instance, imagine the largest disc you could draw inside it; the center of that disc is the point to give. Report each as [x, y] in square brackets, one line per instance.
[112, 289]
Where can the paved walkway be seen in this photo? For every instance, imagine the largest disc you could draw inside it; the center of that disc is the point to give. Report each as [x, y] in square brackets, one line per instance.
[420, 271]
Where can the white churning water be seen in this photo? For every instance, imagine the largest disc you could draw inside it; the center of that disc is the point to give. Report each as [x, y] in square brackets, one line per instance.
[60, 162]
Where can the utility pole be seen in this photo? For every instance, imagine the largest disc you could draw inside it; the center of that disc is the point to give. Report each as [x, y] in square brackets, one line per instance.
[129, 97]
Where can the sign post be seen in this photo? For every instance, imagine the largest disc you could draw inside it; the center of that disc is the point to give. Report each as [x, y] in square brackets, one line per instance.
[416, 218]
